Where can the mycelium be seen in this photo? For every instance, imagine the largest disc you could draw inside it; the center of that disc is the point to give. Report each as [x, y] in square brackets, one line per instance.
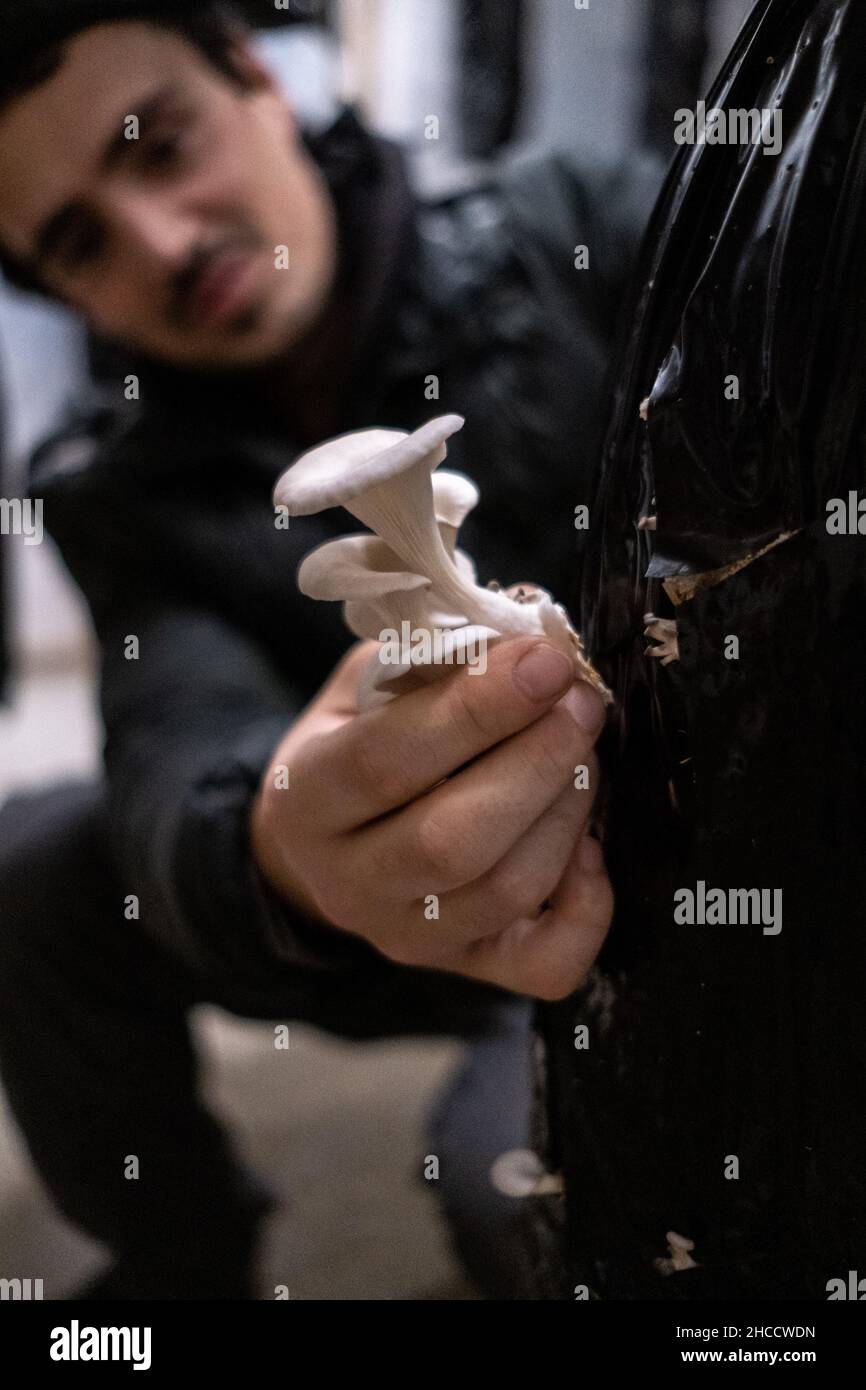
[408, 575]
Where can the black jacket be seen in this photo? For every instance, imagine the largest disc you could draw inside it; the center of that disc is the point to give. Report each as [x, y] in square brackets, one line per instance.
[162, 510]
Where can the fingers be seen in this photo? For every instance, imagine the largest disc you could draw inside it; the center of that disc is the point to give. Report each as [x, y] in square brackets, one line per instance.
[516, 887]
[551, 956]
[437, 826]
[520, 884]
[456, 833]
[389, 756]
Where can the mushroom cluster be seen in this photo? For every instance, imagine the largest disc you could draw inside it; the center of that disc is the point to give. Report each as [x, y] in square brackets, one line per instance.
[407, 575]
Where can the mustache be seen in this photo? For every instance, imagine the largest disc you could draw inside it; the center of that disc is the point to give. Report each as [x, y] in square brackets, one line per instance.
[186, 281]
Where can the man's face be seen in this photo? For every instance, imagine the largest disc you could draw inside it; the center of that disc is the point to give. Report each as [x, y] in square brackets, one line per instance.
[170, 241]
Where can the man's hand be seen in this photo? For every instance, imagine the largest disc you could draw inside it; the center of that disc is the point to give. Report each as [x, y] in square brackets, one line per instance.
[440, 825]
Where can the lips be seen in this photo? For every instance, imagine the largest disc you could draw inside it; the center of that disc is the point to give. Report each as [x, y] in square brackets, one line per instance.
[223, 291]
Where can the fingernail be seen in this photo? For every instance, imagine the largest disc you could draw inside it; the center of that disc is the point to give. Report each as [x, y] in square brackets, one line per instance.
[589, 857]
[585, 707]
[543, 672]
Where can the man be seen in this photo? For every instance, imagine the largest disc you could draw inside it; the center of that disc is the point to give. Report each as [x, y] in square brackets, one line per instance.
[155, 181]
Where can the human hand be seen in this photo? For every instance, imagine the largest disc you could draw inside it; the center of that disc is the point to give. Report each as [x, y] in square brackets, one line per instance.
[446, 827]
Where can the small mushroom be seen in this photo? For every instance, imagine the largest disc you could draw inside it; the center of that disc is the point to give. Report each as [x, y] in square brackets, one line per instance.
[453, 499]
[664, 632]
[521, 1173]
[410, 570]
[679, 1256]
[365, 573]
[363, 565]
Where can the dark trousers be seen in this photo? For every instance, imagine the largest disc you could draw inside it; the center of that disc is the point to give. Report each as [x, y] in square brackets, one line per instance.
[97, 1063]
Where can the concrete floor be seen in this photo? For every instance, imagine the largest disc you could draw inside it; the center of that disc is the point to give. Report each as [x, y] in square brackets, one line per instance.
[336, 1128]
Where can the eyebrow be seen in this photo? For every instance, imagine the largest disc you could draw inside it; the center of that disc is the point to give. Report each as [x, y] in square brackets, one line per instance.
[51, 232]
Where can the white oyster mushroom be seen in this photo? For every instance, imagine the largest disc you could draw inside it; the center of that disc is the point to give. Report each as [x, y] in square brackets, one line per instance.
[359, 565]
[366, 574]
[410, 570]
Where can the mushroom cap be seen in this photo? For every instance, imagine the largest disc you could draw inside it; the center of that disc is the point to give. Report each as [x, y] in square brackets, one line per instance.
[334, 472]
[454, 497]
[355, 567]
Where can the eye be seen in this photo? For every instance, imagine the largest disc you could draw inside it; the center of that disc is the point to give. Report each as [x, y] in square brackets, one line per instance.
[82, 247]
[162, 151]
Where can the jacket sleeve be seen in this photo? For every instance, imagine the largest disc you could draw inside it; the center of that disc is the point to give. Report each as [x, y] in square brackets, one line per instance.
[193, 709]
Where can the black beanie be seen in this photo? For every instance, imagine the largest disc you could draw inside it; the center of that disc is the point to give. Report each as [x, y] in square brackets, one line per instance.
[30, 27]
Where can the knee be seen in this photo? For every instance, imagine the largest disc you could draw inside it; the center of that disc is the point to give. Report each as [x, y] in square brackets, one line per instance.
[48, 844]
[484, 1113]
[484, 1109]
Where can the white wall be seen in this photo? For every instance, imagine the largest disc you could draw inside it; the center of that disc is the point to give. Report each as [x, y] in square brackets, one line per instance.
[41, 368]
[579, 74]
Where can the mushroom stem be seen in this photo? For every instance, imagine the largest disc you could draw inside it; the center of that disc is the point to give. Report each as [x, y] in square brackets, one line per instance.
[400, 511]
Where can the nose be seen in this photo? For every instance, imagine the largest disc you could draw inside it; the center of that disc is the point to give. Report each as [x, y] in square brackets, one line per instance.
[151, 227]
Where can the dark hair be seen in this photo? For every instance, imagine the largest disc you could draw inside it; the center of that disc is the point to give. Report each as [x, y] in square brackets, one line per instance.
[212, 27]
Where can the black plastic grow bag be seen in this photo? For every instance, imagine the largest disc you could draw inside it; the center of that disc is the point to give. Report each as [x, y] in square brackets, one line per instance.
[721, 1095]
